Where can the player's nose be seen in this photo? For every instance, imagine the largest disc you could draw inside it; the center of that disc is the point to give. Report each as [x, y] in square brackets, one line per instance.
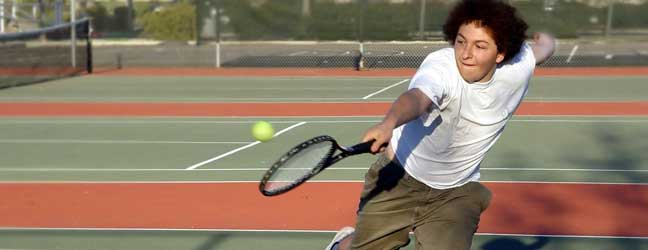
[467, 53]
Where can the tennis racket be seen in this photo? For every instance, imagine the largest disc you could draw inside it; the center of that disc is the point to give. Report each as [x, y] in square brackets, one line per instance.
[306, 160]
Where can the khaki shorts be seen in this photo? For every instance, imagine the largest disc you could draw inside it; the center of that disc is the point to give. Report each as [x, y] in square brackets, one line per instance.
[393, 204]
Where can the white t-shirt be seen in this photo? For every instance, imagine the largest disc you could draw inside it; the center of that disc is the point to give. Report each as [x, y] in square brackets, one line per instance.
[444, 147]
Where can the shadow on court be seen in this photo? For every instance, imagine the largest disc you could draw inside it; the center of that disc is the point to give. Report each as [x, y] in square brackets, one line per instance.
[213, 241]
[619, 151]
[506, 243]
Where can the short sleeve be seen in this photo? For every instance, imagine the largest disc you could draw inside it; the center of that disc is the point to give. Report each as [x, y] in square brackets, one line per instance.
[433, 78]
[524, 62]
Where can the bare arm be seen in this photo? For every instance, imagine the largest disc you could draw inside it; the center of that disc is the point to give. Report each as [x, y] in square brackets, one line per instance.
[543, 47]
[407, 107]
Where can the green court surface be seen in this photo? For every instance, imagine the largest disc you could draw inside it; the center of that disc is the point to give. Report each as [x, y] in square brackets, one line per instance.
[555, 149]
[582, 149]
[233, 240]
[286, 89]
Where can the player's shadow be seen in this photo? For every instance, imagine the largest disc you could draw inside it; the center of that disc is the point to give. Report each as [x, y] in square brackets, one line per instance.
[514, 244]
[415, 131]
[213, 241]
[619, 151]
[388, 177]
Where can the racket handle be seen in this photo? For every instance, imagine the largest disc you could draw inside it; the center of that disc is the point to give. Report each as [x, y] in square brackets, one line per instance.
[364, 147]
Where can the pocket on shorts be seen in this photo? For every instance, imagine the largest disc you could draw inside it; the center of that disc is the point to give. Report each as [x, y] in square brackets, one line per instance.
[485, 196]
[375, 168]
[371, 176]
[477, 193]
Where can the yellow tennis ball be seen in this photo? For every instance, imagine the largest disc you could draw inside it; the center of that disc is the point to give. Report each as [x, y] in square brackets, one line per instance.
[262, 131]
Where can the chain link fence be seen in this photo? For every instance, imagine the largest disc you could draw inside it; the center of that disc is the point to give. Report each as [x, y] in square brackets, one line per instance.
[375, 55]
[335, 33]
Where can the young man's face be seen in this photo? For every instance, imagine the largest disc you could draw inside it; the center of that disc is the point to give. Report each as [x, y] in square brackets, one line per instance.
[476, 53]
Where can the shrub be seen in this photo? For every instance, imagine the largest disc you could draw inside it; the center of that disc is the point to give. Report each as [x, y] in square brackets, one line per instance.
[170, 22]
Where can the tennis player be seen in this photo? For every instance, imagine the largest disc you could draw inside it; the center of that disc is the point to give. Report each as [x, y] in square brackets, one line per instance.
[440, 129]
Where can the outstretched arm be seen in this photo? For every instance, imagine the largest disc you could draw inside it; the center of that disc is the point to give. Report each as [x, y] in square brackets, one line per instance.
[407, 107]
[543, 46]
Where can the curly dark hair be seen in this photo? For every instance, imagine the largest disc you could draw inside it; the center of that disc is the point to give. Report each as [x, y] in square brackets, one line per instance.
[501, 19]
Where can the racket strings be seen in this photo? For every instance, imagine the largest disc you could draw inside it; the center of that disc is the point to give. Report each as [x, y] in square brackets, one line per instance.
[299, 165]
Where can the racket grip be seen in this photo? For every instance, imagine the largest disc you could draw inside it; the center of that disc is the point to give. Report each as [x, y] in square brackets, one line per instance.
[364, 147]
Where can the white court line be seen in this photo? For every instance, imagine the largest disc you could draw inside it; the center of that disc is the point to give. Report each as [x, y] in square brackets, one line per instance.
[572, 53]
[566, 236]
[242, 121]
[50, 121]
[282, 231]
[17, 169]
[241, 148]
[197, 99]
[312, 181]
[568, 169]
[570, 182]
[579, 121]
[65, 141]
[578, 99]
[299, 53]
[264, 169]
[384, 89]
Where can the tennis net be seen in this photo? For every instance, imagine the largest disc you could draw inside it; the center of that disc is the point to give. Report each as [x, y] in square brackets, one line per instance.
[45, 54]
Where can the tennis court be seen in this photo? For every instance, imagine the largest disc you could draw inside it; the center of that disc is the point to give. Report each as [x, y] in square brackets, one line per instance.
[110, 161]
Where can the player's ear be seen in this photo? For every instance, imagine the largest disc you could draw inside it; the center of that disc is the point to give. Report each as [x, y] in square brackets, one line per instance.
[500, 57]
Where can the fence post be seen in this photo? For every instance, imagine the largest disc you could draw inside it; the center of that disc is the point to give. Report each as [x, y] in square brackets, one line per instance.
[360, 59]
[422, 20]
[2, 17]
[73, 31]
[610, 14]
[216, 16]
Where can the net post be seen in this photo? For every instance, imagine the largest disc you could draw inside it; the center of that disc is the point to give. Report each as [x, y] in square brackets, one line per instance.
[218, 54]
[215, 15]
[118, 60]
[360, 60]
[89, 66]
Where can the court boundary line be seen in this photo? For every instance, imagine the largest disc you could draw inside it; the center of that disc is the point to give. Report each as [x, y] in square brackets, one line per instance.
[252, 119]
[385, 89]
[92, 229]
[194, 166]
[195, 99]
[312, 181]
[282, 99]
[328, 169]
[572, 53]
[70, 141]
